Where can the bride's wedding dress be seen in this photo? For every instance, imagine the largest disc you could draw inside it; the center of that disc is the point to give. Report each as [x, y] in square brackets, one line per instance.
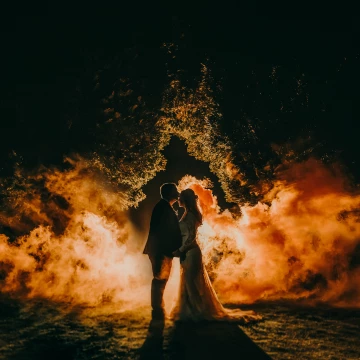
[197, 299]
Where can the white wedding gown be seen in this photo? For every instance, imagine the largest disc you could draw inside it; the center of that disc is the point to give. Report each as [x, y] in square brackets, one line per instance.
[197, 299]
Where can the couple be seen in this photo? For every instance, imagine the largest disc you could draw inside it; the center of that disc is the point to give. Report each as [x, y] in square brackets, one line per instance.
[170, 238]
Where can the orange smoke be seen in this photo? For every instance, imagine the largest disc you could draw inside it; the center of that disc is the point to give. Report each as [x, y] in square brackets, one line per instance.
[94, 258]
[301, 246]
[79, 246]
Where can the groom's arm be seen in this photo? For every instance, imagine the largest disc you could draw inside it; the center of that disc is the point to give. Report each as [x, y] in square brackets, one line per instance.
[154, 221]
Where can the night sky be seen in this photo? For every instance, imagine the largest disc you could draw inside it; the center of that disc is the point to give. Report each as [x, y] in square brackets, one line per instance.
[255, 62]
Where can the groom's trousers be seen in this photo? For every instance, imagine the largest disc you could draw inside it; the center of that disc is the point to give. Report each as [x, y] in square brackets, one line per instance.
[161, 267]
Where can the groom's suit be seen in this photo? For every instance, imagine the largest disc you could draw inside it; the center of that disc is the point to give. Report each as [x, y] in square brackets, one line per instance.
[164, 238]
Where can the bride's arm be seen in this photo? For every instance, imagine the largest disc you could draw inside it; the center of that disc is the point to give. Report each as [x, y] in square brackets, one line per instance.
[187, 236]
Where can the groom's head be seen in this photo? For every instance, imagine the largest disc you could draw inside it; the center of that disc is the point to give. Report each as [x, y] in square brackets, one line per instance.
[169, 192]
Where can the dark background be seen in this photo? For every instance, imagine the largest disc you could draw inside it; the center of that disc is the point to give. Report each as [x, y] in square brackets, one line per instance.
[49, 107]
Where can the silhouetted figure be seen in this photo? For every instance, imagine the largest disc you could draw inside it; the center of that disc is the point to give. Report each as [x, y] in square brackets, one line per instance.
[197, 299]
[164, 238]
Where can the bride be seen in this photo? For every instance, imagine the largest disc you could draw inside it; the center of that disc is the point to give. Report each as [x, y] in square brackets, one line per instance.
[197, 299]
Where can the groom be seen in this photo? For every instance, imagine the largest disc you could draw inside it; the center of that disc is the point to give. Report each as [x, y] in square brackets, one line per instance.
[164, 238]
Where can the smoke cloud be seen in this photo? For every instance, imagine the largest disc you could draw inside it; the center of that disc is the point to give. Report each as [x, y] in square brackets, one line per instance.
[302, 242]
[79, 245]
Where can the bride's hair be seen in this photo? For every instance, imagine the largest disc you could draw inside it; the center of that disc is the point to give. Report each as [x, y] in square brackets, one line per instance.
[189, 199]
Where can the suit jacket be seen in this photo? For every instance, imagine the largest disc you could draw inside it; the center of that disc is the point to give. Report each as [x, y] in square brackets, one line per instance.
[164, 234]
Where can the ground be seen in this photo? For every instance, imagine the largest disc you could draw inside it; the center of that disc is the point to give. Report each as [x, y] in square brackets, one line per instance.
[41, 329]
